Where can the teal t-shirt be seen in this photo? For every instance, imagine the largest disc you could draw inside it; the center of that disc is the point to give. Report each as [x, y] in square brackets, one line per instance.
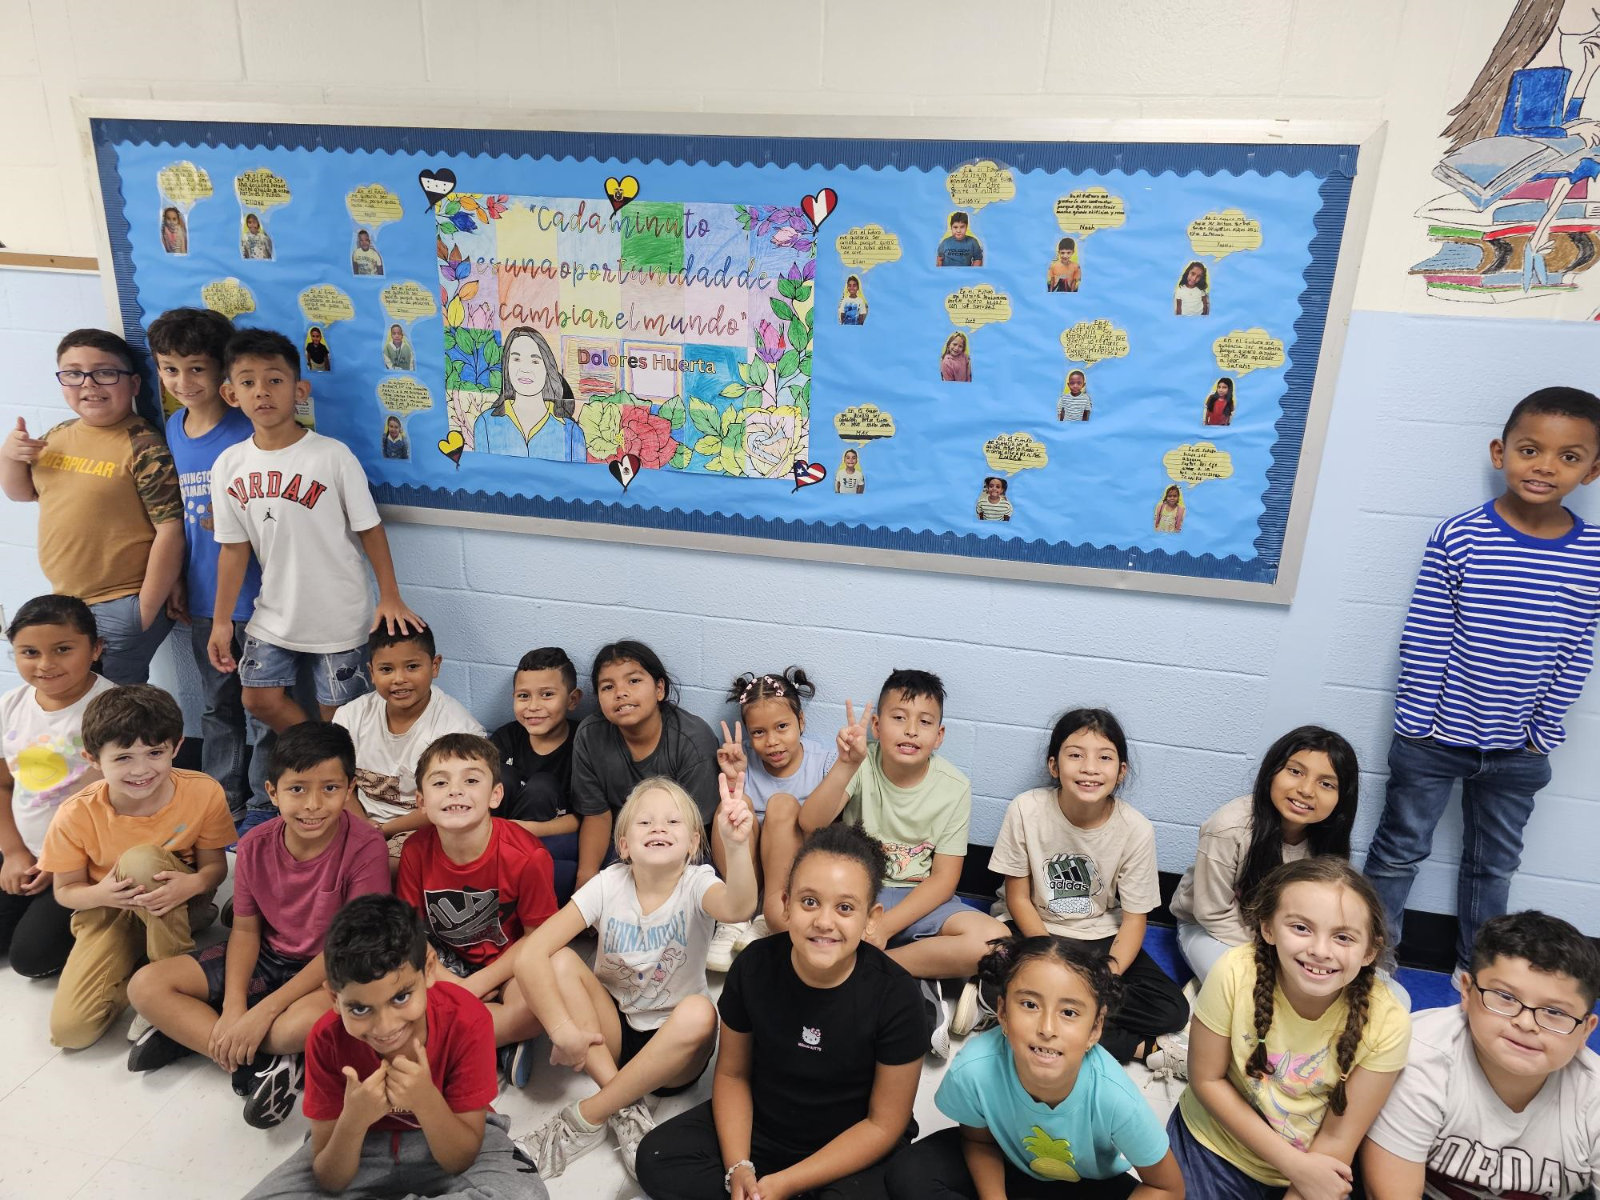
[1095, 1133]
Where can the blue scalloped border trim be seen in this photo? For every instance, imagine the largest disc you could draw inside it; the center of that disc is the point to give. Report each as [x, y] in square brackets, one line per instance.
[1334, 164]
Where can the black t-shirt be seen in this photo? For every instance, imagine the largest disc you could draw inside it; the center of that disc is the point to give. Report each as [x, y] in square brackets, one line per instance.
[538, 786]
[815, 1051]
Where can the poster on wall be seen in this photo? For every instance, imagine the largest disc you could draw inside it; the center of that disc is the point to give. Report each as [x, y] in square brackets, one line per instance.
[988, 355]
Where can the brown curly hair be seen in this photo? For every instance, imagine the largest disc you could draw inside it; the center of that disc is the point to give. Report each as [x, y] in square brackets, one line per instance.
[1260, 908]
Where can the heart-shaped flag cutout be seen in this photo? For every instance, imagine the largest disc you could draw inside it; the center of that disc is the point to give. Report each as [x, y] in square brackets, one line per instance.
[621, 191]
[819, 206]
[623, 468]
[452, 445]
[807, 473]
[436, 185]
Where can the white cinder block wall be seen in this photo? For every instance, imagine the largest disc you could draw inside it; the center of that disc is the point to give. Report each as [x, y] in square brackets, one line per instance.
[1202, 686]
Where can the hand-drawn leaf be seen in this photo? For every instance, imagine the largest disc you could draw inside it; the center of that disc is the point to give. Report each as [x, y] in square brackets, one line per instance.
[467, 290]
[785, 313]
[732, 390]
[703, 415]
[788, 363]
[674, 411]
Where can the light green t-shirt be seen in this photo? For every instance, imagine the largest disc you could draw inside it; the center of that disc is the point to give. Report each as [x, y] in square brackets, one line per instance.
[913, 823]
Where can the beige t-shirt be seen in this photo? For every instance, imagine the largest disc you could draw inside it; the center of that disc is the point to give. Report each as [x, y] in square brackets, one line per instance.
[1207, 894]
[1081, 880]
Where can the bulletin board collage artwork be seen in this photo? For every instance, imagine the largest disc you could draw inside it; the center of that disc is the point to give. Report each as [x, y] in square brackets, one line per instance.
[1073, 354]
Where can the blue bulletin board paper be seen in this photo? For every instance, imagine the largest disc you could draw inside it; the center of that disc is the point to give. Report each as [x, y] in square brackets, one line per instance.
[1001, 354]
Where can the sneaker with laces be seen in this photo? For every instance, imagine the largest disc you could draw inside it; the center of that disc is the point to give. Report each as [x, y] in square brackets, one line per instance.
[975, 1010]
[155, 1050]
[1170, 1058]
[561, 1139]
[276, 1082]
[724, 945]
[630, 1124]
[754, 931]
[938, 1013]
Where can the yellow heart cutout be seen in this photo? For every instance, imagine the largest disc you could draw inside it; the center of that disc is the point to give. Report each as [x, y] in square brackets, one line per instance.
[622, 190]
[453, 445]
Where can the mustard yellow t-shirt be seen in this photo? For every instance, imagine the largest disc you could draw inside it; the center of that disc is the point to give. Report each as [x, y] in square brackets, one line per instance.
[1293, 1098]
[88, 834]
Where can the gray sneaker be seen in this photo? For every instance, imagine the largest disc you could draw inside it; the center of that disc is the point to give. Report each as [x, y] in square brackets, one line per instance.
[630, 1124]
[560, 1140]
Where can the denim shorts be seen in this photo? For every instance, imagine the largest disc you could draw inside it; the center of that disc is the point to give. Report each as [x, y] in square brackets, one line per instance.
[925, 927]
[340, 677]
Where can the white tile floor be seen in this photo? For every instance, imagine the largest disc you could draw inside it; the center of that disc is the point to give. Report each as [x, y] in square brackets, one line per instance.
[78, 1124]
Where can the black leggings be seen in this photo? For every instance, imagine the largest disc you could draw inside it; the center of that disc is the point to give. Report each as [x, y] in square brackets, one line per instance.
[936, 1169]
[682, 1160]
[36, 932]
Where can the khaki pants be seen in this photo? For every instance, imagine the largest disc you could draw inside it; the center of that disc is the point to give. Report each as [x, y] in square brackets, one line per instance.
[109, 945]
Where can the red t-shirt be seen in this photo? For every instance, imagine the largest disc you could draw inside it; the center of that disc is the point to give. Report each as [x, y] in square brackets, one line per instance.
[296, 901]
[460, 1046]
[476, 910]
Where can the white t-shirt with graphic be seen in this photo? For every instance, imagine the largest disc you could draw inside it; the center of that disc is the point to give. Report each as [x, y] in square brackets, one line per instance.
[1444, 1113]
[649, 963]
[1083, 880]
[386, 763]
[44, 753]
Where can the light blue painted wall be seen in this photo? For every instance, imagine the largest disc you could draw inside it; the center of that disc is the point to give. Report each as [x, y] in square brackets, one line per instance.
[1201, 685]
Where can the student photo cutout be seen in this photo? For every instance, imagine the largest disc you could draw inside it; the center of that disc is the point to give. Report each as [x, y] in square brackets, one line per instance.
[1074, 404]
[365, 259]
[1065, 272]
[1192, 296]
[255, 242]
[1219, 404]
[992, 502]
[395, 442]
[848, 479]
[959, 248]
[1169, 512]
[954, 365]
[853, 305]
[174, 231]
[318, 357]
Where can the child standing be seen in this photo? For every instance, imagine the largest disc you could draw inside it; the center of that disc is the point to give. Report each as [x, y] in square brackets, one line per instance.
[1499, 1092]
[1490, 661]
[188, 345]
[853, 305]
[136, 856]
[536, 758]
[393, 724]
[1192, 296]
[300, 502]
[1080, 862]
[54, 643]
[638, 733]
[820, 1113]
[110, 514]
[919, 806]
[480, 884]
[642, 1020]
[1293, 1047]
[249, 1004]
[1042, 1110]
[1303, 804]
[399, 1076]
[787, 766]
[1064, 274]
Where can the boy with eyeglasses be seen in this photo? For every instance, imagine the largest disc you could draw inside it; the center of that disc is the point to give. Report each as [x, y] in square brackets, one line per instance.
[1500, 1098]
[110, 512]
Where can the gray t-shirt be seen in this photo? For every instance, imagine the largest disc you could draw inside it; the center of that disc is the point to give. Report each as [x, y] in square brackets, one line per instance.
[1081, 880]
[1444, 1113]
[604, 772]
[759, 786]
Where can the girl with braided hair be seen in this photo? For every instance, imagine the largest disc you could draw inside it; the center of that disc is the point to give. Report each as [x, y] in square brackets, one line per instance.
[1295, 1044]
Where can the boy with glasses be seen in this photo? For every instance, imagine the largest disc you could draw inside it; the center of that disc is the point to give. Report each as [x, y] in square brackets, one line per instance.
[110, 512]
[1500, 1097]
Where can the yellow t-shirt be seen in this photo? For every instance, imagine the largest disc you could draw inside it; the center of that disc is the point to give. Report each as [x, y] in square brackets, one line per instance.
[1293, 1097]
[88, 834]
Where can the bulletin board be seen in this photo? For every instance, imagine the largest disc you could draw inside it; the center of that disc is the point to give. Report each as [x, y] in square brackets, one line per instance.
[1101, 362]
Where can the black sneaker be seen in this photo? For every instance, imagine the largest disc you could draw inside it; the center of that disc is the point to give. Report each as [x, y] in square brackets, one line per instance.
[278, 1079]
[155, 1050]
[938, 1016]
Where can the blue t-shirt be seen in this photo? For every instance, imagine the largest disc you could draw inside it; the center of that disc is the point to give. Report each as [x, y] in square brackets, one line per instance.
[1095, 1133]
[959, 252]
[194, 458]
[760, 786]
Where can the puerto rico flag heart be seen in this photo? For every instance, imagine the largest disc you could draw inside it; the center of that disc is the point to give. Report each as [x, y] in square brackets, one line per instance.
[807, 473]
[819, 206]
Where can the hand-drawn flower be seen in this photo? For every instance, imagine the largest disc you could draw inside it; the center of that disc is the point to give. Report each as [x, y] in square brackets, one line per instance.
[496, 205]
[769, 342]
[799, 272]
[647, 434]
[773, 439]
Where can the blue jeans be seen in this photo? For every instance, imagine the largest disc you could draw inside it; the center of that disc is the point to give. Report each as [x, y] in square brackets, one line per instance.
[1497, 791]
[129, 645]
[226, 727]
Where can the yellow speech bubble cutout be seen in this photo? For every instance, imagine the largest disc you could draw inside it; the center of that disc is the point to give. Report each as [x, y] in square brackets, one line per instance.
[323, 304]
[1088, 342]
[1091, 209]
[975, 184]
[863, 423]
[1246, 350]
[373, 204]
[1219, 234]
[261, 188]
[402, 395]
[408, 301]
[1013, 452]
[975, 307]
[228, 297]
[867, 246]
[183, 183]
[1196, 462]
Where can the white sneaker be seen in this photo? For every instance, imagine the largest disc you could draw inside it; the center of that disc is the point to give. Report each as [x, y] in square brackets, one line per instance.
[1170, 1059]
[974, 1011]
[630, 1124]
[754, 931]
[139, 1028]
[724, 945]
[560, 1140]
[938, 1015]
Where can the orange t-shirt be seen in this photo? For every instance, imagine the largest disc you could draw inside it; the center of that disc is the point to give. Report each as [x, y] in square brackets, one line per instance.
[88, 834]
[102, 491]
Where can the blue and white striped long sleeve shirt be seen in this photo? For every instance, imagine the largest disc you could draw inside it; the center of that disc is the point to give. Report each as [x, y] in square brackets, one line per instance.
[1499, 638]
